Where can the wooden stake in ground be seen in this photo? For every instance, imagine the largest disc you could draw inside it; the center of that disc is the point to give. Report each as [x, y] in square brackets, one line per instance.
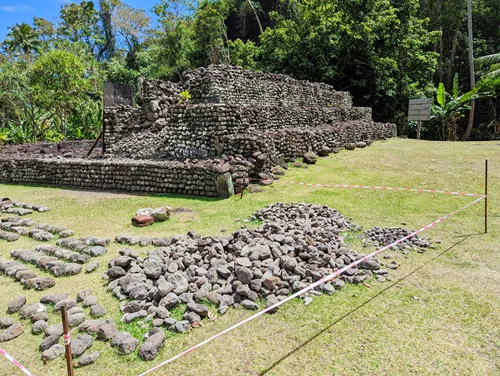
[486, 198]
[67, 341]
[95, 143]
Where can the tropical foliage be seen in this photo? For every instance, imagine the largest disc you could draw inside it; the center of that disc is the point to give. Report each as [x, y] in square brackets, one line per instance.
[382, 51]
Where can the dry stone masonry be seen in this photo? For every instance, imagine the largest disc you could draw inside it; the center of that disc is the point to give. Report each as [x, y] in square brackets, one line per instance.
[235, 125]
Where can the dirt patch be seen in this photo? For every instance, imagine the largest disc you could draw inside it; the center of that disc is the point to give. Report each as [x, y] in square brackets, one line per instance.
[67, 149]
[182, 210]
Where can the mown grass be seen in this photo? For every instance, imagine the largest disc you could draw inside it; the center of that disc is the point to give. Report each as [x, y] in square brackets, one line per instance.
[440, 317]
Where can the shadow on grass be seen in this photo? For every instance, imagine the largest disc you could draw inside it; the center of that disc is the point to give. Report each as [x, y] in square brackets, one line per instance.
[307, 342]
[117, 191]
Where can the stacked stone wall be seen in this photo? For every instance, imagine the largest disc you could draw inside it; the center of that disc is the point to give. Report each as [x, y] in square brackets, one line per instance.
[122, 175]
[234, 85]
[268, 148]
[195, 131]
[236, 124]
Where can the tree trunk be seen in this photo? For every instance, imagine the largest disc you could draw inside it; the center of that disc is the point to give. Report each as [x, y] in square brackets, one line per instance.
[472, 73]
[441, 49]
[454, 42]
[256, 16]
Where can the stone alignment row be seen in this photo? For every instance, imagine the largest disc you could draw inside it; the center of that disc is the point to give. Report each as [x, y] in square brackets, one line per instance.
[43, 261]
[24, 275]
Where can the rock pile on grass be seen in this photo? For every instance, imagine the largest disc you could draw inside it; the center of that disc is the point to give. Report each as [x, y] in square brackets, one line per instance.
[382, 236]
[298, 244]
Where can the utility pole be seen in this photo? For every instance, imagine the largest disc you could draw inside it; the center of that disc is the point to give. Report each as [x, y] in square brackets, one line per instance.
[472, 73]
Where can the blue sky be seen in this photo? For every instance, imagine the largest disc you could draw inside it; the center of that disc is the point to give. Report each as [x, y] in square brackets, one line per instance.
[17, 11]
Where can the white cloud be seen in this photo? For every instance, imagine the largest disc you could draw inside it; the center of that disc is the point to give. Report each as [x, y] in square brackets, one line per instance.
[17, 8]
[8, 8]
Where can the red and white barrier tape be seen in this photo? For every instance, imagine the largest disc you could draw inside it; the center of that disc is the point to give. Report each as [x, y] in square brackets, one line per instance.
[310, 287]
[67, 339]
[15, 362]
[387, 188]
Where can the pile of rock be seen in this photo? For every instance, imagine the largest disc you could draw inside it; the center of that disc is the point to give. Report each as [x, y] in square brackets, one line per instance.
[66, 149]
[143, 241]
[24, 275]
[147, 216]
[18, 211]
[296, 245]
[116, 174]
[382, 236]
[50, 263]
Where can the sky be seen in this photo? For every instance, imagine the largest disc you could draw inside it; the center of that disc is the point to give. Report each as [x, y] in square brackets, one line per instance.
[17, 11]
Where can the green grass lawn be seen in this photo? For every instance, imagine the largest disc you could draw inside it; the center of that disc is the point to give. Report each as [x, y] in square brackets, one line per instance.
[441, 315]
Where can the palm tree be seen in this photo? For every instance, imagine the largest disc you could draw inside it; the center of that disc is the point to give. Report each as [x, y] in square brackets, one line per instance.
[23, 38]
[494, 61]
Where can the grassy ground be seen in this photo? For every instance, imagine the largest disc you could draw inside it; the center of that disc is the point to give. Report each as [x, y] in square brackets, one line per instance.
[442, 316]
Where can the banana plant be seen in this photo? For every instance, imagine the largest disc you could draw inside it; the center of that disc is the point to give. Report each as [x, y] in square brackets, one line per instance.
[450, 108]
[493, 61]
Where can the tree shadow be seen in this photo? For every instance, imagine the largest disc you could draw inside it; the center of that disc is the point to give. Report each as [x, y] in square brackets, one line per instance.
[346, 315]
[116, 191]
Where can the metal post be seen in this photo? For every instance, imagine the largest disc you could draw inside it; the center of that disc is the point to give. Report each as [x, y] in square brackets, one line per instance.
[67, 341]
[418, 129]
[486, 198]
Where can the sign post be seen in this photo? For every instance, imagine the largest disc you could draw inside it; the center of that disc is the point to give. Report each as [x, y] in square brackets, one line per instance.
[419, 109]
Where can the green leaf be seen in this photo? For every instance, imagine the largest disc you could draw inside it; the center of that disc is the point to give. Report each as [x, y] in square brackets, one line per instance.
[440, 96]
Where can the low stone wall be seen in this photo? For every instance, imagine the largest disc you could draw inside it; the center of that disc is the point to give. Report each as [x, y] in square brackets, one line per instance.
[268, 148]
[123, 175]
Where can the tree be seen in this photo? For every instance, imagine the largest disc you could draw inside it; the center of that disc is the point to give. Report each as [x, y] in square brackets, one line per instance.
[172, 44]
[451, 108]
[210, 33]
[58, 77]
[44, 28]
[493, 61]
[376, 49]
[106, 10]
[131, 24]
[79, 23]
[22, 38]
[23, 120]
[243, 54]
